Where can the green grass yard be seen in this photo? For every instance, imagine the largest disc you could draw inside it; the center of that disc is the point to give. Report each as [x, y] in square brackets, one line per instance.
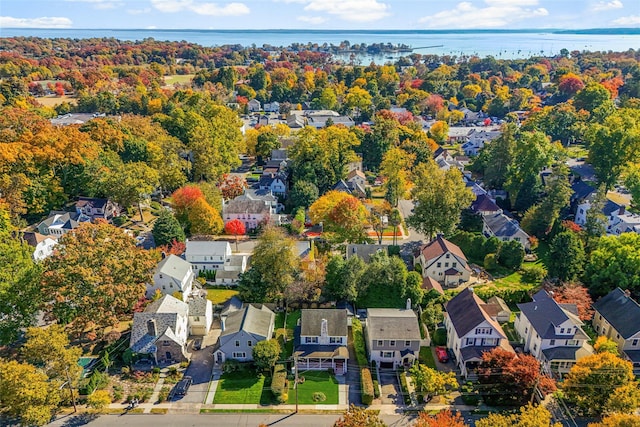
[242, 387]
[314, 381]
[426, 357]
[220, 296]
[178, 78]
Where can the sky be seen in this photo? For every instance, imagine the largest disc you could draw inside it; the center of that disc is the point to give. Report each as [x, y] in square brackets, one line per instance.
[319, 14]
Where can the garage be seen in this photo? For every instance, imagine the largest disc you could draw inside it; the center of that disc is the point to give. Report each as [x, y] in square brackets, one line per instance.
[386, 365]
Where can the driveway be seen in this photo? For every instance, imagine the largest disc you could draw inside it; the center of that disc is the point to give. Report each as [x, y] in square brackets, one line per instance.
[390, 392]
[200, 370]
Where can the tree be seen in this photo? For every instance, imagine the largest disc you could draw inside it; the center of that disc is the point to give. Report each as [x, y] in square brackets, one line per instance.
[395, 219]
[359, 417]
[605, 345]
[99, 399]
[413, 287]
[395, 168]
[342, 215]
[566, 256]
[494, 160]
[267, 141]
[96, 275]
[598, 382]
[274, 266]
[439, 131]
[511, 254]
[529, 416]
[166, 229]
[430, 381]
[439, 197]
[303, 194]
[232, 186]
[613, 263]
[510, 379]
[236, 228]
[540, 219]
[204, 219]
[131, 183]
[617, 420]
[49, 349]
[183, 198]
[591, 97]
[444, 418]
[383, 283]
[342, 278]
[532, 152]
[575, 293]
[266, 353]
[27, 393]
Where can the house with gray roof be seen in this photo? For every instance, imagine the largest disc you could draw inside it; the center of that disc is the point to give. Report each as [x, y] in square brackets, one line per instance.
[58, 223]
[552, 333]
[216, 255]
[172, 274]
[471, 331]
[504, 228]
[364, 251]
[160, 332]
[200, 315]
[242, 329]
[93, 208]
[392, 336]
[321, 340]
[617, 316]
[484, 205]
[611, 211]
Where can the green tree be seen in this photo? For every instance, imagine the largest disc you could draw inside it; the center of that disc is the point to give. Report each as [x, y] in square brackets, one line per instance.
[413, 287]
[27, 393]
[274, 266]
[430, 381]
[395, 219]
[303, 194]
[129, 184]
[566, 256]
[266, 353]
[511, 254]
[383, 283]
[540, 219]
[614, 263]
[167, 228]
[591, 97]
[532, 152]
[50, 350]
[439, 199]
[267, 141]
[96, 275]
[342, 278]
[494, 160]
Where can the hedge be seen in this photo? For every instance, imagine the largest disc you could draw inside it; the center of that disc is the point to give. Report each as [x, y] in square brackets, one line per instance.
[358, 342]
[367, 386]
[279, 386]
[405, 388]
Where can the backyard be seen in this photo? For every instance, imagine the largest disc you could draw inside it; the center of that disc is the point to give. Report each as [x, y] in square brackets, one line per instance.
[242, 387]
[319, 387]
[220, 296]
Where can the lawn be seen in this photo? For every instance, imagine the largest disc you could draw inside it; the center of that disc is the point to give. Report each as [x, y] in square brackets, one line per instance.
[510, 330]
[178, 78]
[314, 381]
[220, 296]
[292, 321]
[426, 357]
[242, 387]
[52, 101]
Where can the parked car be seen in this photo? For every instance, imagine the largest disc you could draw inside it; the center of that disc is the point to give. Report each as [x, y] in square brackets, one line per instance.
[183, 386]
[442, 355]
[197, 344]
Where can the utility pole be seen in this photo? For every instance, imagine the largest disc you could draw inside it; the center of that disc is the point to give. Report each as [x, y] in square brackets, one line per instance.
[295, 368]
[73, 398]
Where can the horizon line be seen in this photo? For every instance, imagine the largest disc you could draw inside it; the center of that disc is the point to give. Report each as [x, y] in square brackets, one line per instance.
[331, 30]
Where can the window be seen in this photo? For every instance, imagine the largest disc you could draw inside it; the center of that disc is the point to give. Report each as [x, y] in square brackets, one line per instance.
[335, 340]
[380, 343]
[447, 256]
[634, 343]
[617, 336]
[454, 265]
[161, 276]
[470, 341]
[239, 355]
[408, 343]
[237, 343]
[526, 330]
[387, 354]
[249, 343]
[483, 331]
[439, 265]
[311, 340]
[600, 316]
[562, 330]
[392, 343]
[446, 264]
[165, 343]
[196, 318]
[572, 342]
[552, 342]
[535, 347]
[489, 342]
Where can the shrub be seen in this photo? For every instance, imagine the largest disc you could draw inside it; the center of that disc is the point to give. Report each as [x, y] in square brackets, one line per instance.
[533, 273]
[185, 364]
[117, 393]
[119, 221]
[318, 396]
[376, 389]
[164, 394]
[490, 262]
[440, 337]
[358, 342]
[231, 365]
[100, 399]
[155, 370]
[367, 386]
[469, 394]
[405, 388]
[393, 250]
[97, 381]
[279, 386]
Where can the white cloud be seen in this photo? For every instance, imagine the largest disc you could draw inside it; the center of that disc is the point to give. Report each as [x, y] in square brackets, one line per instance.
[313, 20]
[43, 22]
[631, 20]
[497, 13]
[138, 11]
[607, 5]
[101, 4]
[351, 10]
[201, 8]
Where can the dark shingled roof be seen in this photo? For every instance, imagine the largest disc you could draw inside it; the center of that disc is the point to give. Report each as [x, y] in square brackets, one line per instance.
[581, 190]
[622, 312]
[311, 320]
[483, 203]
[566, 353]
[392, 323]
[465, 312]
[545, 314]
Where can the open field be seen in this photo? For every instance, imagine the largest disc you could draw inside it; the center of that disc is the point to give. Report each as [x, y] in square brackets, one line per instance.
[178, 78]
[52, 101]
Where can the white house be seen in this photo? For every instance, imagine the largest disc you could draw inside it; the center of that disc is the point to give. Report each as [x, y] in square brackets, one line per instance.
[611, 211]
[216, 256]
[471, 331]
[92, 208]
[43, 245]
[392, 336]
[254, 106]
[58, 223]
[173, 274]
[272, 107]
[552, 333]
[443, 261]
[322, 340]
[477, 138]
[504, 228]
[356, 177]
[200, 315]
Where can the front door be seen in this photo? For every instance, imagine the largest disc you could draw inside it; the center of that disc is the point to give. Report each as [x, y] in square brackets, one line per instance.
[168, 355]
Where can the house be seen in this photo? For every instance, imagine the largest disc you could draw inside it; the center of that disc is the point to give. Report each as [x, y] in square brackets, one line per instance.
[210, 255]
[552, 333]
[471, 331]
[443, 261]
[160, 332]
[90, 208]
[364, 251]
[173, 274]
[296, 121]
[625, 223]
[319, 119]
[43, 245]
[250, 211]
[254, 106]
[478, 138]
[617, 316]
[483, 205]
[611, 211]
[58, 223]
[200, 315]
[276, 183]
[350, 188]
[504, 228]
[430, 284]
[580, 191]
[392, 336]
[357, 177]
[498, 309]
[321, 340]
[272, 107]
[74, 119]
[241, 330]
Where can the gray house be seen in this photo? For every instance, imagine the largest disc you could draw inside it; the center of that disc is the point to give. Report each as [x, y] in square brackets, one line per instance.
[321, 341]
[392, 336]
[241, 330]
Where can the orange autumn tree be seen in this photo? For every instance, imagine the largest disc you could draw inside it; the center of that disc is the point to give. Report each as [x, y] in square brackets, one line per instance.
[193, 211]
[441, 419]
[342, 215]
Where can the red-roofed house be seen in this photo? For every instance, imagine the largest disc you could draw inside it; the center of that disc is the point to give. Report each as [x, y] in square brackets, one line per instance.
[429, 284]
[443, 261]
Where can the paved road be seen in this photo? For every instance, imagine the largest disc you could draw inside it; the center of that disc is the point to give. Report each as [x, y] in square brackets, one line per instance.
[219, 420]
[405, 207]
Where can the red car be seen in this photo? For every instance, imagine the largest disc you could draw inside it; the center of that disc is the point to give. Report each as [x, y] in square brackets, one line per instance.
[441, 353]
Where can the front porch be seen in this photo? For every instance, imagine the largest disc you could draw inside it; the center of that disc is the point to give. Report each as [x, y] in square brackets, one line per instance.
[322, 358]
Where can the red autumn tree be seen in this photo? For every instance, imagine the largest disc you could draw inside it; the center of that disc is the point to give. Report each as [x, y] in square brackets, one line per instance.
[570, 83]
[574, 293]
[441, 419]
[173, 248]
[59, 89]
[184, 198]
[232, 186]
[235, 227]
[571, 226]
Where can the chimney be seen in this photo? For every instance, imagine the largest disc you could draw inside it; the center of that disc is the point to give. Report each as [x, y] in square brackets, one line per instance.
[408, 304]
[627, 293]
[621, 211]
[324, 328]
[151, 327]
[163, 255]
